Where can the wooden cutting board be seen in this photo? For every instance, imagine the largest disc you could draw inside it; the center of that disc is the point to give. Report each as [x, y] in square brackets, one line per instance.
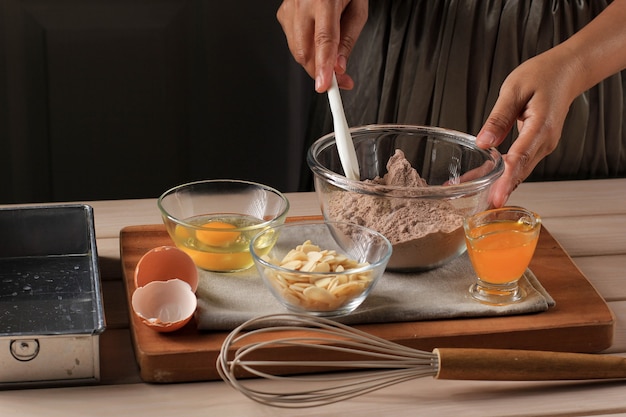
[580, 322]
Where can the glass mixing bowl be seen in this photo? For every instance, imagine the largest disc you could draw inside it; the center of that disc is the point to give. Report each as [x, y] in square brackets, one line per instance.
[424, 222]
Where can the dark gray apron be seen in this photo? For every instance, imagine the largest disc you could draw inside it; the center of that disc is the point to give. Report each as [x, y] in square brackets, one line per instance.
[442, 62]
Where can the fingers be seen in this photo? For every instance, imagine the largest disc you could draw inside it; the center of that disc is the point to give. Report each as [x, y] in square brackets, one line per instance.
[540, 120]
[298, 23]
[337, 28]
[505, 185]
[495, 129]
[501, 119]
[321, 36]
[353, 20]
[537, 138]
[326, 42]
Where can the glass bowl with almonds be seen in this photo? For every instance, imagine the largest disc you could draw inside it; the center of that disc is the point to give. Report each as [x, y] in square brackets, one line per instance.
[322, 268]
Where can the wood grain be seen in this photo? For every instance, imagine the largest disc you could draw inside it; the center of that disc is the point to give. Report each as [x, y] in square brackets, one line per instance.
[580, 322]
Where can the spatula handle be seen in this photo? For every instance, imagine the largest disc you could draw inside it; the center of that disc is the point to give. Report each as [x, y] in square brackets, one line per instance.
[343, 138]
[526, 365]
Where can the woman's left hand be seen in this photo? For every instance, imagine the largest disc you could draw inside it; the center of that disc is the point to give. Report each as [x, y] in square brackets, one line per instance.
[537, 95]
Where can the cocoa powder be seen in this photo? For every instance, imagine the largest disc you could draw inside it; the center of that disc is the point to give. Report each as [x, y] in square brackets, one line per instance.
[423, 232]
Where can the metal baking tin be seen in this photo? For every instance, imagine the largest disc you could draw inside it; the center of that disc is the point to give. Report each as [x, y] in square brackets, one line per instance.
[51, 309]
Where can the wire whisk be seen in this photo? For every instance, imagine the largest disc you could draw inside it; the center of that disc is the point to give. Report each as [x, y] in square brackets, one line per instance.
[289, 348]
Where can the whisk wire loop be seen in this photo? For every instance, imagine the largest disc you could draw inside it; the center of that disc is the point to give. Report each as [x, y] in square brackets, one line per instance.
[392, 363]
[282, 348]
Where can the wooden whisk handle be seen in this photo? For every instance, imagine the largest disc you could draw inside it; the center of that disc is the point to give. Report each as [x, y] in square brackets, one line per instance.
[525, 365]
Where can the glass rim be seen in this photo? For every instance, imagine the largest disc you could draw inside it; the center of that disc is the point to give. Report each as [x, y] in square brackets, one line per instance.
[432, 191]
[383, 260]
[282, 214]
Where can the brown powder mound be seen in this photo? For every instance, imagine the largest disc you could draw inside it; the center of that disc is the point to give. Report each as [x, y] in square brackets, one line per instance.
[423, 232]
[399, 221]
[400, 172]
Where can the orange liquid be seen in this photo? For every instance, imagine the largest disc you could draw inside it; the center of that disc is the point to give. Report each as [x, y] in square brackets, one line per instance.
[500, 252]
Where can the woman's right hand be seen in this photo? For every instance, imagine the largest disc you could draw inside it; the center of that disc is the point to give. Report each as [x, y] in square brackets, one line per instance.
[321, 35]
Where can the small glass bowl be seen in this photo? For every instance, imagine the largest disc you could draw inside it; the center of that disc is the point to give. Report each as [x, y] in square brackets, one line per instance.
[328, 290]
[213, 221]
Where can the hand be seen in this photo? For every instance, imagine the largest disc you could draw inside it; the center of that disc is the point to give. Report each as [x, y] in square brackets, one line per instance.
[537, 95]
[321, 35]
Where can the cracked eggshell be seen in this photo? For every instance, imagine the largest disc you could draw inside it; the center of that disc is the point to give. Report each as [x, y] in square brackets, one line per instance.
[165, 263]
[166, 279]
[165, 306]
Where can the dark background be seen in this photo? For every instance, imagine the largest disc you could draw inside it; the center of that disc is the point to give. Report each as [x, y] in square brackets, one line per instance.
[109, 99]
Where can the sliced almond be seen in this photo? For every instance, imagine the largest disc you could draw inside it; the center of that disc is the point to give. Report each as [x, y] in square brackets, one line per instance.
[311, 292]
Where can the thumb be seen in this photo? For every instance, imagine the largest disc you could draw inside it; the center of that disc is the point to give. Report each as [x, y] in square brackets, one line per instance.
[500, 121]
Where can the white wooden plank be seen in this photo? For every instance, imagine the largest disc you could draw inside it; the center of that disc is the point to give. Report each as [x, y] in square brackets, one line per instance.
[563, 198]
[423, 397]
[606, 273]
[590, 235]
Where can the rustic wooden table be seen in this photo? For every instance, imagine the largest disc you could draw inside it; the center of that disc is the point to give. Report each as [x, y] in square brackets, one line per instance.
[588, 218]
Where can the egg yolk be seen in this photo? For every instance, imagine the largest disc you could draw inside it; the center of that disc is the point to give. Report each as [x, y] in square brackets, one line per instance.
[217, 237]
[182, 233]
[221, 261]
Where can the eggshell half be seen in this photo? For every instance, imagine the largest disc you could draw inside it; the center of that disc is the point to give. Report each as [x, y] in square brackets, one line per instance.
[165, 263]
[165, 306]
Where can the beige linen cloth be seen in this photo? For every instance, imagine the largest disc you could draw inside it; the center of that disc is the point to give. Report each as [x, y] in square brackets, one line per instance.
[227, 300]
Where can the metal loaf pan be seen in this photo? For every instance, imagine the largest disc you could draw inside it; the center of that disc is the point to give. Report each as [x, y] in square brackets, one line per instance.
[51, 310]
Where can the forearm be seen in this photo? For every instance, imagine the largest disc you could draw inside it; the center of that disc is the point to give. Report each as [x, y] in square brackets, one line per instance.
[599, 49]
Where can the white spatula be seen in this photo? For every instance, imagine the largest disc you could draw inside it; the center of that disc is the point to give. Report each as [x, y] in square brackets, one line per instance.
[345, 146]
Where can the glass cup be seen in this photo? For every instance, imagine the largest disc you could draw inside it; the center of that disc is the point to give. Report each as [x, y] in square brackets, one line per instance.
[500, 244]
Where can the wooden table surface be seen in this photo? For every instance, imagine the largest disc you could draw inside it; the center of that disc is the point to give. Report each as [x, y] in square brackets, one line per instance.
[588, 218]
